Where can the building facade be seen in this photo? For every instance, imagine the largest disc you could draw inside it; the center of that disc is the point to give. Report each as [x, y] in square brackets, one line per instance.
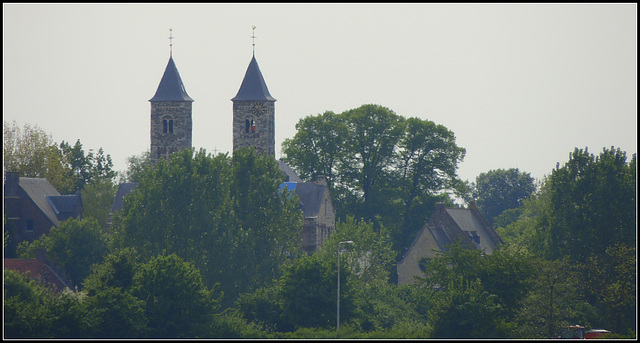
[32, 207]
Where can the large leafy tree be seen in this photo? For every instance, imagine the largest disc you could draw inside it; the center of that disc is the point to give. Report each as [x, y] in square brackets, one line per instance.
[592, 205]
[224, 215]
[308, 292]
[502, 189]
[553, 302]
[27, 307]
[31, 152]
[317, 146]
[177, 303]
[380, 166]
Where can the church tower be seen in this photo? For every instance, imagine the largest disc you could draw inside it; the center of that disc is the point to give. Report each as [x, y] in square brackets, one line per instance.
[254, 113]
[171, 123]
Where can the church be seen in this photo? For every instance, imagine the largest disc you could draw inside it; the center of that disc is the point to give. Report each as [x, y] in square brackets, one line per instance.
[253, 126]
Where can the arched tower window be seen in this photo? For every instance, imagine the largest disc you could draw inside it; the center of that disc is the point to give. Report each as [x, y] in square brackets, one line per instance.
[167, 125]
[249, 126]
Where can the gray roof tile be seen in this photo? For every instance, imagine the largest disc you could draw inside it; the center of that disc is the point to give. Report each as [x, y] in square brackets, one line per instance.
[171, 87]
[253, 86]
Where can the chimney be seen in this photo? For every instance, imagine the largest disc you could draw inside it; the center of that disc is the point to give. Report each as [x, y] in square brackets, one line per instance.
[12, 182]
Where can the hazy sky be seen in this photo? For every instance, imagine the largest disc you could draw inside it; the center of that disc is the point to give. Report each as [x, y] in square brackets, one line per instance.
[520, 85]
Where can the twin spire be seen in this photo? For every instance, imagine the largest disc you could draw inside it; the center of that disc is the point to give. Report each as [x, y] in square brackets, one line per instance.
[253, 86]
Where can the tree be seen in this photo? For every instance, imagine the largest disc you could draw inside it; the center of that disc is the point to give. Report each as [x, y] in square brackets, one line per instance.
[31, 153]
[87, 168]
[24, 150]
[499, 190]
[370, 257]
[224, 215]
[116, 314]
[75, 245]
[503, 275]
[97, 199]
[27, 307]
[552, 303]
[465, 310]
[176, 301]
[374, 132]
[426, 165]
[309, 293]
[135, 166]
[592, 205]
[317, 146]
[379, 165]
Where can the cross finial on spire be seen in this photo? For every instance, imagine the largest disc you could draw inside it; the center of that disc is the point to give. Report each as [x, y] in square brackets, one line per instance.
[171, 42]
[253, 38]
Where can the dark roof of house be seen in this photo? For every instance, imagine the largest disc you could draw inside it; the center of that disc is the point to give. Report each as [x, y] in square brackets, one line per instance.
[253, 86]
[171, 87]
[123, 189]
[63, 204]
[311, 196]
[37, 270]
[291, 176]
[38, 189]
[470, 220]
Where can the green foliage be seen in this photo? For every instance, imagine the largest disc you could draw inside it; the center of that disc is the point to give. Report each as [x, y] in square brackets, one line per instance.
[463, 309]
[136, 164]
[116, 271]
[75, 245]
[499, 190]
[552, 303]
[97, 199]
[380, 166]
[224, 215]
[499, 282]
[177, 302]
[526, 230]
[309, 293]
[117, 314]
[317, 146]
[31, 153]
[24, 150]
[370, 257]
[592, 205]
[27, 307]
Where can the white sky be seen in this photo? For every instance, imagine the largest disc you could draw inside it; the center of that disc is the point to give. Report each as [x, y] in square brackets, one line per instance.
[520, 85]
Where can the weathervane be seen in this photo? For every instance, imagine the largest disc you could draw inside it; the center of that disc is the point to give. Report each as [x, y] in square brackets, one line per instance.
[253, 38]
[171, 41]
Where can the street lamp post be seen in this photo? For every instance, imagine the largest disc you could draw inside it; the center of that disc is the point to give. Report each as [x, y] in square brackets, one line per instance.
[338, 303]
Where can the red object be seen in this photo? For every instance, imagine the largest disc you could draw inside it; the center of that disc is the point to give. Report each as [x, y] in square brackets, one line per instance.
[595, 333]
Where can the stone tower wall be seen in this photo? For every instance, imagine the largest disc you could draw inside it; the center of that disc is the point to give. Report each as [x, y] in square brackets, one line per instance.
[262, 135]
[163, 144]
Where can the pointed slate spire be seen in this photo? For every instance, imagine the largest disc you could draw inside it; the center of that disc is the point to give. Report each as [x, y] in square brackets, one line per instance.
[171, 87]
[253, 86]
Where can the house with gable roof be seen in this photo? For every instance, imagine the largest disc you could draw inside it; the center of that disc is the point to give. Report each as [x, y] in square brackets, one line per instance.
[317, 208]
[32, 207]
[446, 226]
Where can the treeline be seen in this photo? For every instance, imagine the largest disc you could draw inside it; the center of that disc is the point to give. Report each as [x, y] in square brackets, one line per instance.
[213, 241]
